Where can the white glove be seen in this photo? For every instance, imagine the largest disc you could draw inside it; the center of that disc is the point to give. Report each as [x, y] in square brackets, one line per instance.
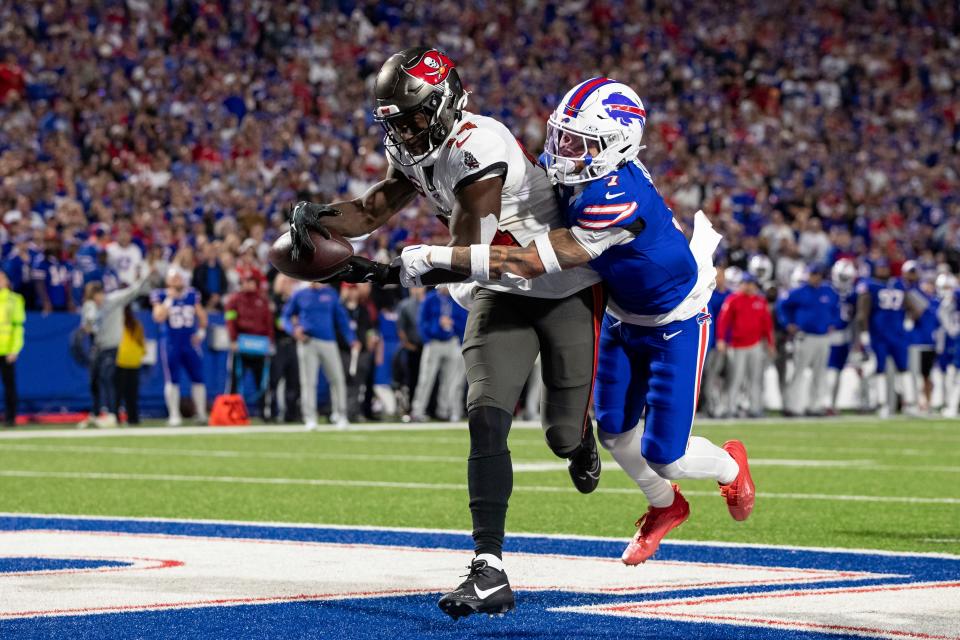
[418, 259]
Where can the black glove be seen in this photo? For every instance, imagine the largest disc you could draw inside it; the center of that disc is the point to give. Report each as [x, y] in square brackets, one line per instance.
[360, 269]
[307, 215]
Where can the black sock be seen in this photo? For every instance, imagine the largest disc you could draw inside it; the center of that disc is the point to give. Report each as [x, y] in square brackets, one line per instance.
[489, 477]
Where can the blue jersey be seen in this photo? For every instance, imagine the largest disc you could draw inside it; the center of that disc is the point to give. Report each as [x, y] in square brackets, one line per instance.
[181, 322]
[655, 271]
[886, 306]
[927, 324]
[716, 302]
[848, 309]
[58, 278]
[387, 320]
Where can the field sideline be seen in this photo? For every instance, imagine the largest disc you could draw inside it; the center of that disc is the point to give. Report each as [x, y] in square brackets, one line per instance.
[853, 483]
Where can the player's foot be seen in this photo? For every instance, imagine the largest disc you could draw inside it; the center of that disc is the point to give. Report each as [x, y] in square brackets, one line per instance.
[883, 412]
[584, 467]
[174, 421]
[86, 423]
[653, 526]
[949, 413]
[486, 590]
[310, 425]
[342, 423]
[740, 493]
[107, 421]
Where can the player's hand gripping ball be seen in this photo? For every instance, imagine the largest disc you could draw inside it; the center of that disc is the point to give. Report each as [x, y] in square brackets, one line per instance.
[310, 251]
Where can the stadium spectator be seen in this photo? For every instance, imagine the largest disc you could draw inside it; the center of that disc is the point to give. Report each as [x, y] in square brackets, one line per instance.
[248, 315]
[809, 313]
[12, 317]
[439, 321]
[744, 323]
[130, 354]
[359, 357]
[711, 391]
[314, 317]
[210, 279]
[104, 316]
[123, 256]
[284, 366]
[53, 279]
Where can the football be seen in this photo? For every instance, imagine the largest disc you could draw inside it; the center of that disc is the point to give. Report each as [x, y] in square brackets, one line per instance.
[329, 257]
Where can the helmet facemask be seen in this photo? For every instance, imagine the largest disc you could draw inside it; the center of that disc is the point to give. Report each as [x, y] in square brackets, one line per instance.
[574, 156]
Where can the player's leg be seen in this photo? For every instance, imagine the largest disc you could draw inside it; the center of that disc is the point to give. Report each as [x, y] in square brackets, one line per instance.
[309, 365]
[499, 348]
[899, 349]
[756, 364]
[675, 371]
[818, 371]
[445, 374]
[880, 387]
[170, 362]
[328, 356]
[193, 362]
[836, 361]
[951, 392]
[569, 334]
[737, 372]
[429, 370]
[453, 382]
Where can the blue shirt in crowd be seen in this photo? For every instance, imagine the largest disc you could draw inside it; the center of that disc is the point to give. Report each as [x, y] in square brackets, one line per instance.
[815, 310]
[436, 305]
[320, 314]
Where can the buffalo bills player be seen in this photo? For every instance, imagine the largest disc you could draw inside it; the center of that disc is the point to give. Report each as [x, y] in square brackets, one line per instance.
[881, 314]
[656, 329]
[183, 323]
[843, 277]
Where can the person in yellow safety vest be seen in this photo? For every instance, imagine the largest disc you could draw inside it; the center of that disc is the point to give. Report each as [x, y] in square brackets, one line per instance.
[12, 315]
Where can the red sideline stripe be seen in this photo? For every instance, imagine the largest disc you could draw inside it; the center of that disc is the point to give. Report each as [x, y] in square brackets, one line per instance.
[599, 308]
[578, 97]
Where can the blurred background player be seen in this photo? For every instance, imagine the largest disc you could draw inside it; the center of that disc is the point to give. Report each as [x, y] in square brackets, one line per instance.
[745, 334]
[411, 344]
[843, 277]
[440, 321]
[809, 313]
[183, 328]
[921, 354]
[949, 316]
[248, 313]
[881, 317]
[314, 317]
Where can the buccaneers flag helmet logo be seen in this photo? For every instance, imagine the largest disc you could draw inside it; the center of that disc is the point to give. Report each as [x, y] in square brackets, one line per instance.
[432, 67]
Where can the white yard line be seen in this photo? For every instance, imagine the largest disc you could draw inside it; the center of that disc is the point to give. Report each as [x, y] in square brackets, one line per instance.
[423, 486]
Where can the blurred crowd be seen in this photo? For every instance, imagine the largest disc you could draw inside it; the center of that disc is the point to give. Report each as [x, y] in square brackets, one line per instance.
[179, 132]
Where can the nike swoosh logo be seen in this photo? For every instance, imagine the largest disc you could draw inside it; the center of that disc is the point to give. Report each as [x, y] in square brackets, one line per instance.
[483, 593]
[460, 143]
[672, 335]
[611, 196]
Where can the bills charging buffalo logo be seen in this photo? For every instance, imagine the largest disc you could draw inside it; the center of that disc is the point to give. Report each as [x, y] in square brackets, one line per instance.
[704, 317]
[623, 109]
[432, 67]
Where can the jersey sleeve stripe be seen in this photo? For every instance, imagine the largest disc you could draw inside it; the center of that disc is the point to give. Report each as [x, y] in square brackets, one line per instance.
[603, 223]
[607, 213]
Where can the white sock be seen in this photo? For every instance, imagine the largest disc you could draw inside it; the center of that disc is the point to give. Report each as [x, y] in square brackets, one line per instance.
[951, 390]
[491, 560]
[908, 384]
[171, 393]
[199, 394]
[625, 449]
[833, 379]
[880, 388]
[703, 460]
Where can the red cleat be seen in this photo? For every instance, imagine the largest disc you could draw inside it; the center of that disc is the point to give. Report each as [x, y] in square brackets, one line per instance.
[653, 526]
[740, 493]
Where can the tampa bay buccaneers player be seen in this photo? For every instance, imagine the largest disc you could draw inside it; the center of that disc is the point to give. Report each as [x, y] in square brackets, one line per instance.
[479, 179]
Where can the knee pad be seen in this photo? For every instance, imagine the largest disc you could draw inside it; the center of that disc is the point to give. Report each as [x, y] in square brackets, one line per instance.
[670, 471]
[489, 428]
[609, 440]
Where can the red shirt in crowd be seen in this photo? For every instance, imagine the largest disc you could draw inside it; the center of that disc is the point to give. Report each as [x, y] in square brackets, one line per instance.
[249, 312]
[744, 321]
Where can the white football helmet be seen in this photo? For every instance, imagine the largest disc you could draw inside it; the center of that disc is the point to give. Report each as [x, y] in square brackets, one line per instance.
[733, 276]
[761, 268]
[843, 275]
[596, 129]
[800, 275]
[946, 285]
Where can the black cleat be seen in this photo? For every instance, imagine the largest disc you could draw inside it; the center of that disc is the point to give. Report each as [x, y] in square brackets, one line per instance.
[486, 590]
[584, 467]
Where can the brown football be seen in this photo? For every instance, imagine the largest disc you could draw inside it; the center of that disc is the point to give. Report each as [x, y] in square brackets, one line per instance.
[329, 257]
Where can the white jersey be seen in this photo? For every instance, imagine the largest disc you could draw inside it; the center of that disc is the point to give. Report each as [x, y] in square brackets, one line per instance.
[125, 261]
[480, 148]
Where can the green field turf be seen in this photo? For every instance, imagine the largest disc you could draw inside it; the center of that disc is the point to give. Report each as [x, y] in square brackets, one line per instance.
[864, 484]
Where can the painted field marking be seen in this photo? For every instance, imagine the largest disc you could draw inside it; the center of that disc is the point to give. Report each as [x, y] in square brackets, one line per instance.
[376, 484]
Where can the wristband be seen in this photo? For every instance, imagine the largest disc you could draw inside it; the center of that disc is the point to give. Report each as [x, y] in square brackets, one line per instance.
[201, 334]
[547, 255]
[441, 257]
[480, 261]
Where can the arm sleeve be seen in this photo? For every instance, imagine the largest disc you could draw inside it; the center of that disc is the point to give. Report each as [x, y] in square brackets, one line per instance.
[289, 310]
[342, 321]
[427, 320]
[18, 318]
[723, 319]
[785, 310]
